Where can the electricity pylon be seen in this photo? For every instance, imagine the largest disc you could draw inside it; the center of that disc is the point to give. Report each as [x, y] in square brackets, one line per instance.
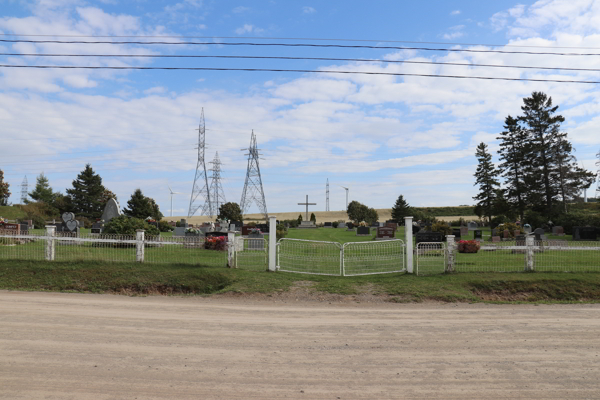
[200, 190]
[24, 189]
[217, 194]
[327, 196]
[253, 188]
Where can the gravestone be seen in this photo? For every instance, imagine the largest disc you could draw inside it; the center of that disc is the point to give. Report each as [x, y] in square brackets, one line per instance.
[111, 210]
[375, 225]
[516, 232]
[232, 227]
[238, 225]
[307, 225]
[363, 231]
[429, 237]
[327, 225]
[392, 224]
[464, 231]
[472, 225]
[180, 230]
[584, 233]
[527, 228]
[11, 229]
[264, 228]
[385, 233]
[350, 226]
[342, 225]
[246, 230]
[520, 240]
[506, 234]
[496, 239]
[558, 230]
[97, 227]
[416, 229]
[457, 233]
[494, 232]
[539, 232]
[478, 235]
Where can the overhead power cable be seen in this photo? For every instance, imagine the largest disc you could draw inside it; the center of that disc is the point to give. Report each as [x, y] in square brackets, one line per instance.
[341, 46]
[301, 38]
[295, 70]
[301, 59]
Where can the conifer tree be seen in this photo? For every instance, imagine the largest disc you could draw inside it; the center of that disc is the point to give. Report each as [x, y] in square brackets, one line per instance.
[313, 218]
[4, 190]
[85, 198]
[42, 191]
[486, 177]
[400, 210]
[140, 206]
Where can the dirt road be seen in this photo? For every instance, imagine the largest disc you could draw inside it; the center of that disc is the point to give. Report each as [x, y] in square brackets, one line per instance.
[72, 346]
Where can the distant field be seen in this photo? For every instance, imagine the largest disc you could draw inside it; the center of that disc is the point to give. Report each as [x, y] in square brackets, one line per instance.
[331, 216]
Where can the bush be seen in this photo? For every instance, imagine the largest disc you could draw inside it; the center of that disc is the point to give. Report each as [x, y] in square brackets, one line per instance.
[468, 246]
[124, 225]
[38, 222]
[499, 220]
[441, 227]
[458, 222]
[164, 226]
[281, 233]
[218, 243]
[419, 215]
[335, 224]
[577, 218]
[535, 219]
[512, 227]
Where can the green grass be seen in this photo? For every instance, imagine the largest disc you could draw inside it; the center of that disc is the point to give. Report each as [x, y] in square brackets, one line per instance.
[12, 212]
[141, 279]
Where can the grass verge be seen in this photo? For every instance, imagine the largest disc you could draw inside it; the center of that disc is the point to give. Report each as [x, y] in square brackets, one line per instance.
[142, 279]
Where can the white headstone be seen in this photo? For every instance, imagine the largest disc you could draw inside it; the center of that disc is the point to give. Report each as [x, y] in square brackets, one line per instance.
[111, 210]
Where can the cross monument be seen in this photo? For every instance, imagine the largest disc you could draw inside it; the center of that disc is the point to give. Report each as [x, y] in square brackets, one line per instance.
[307, 204]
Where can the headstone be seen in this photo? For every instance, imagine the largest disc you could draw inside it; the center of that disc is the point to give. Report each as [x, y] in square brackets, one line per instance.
[307, 225]
[180, 230]
[472, 225]
[97, 227]
[478, 235]
[246, 230]
[520, 240]
[457, 232]
[381, 224]
[496, 239]
[327, 225]
[416, 229]
[342, 225]
[558, 230]
[238, 225]
[111, 210]
[11, 229]
[363, 231]
[464, 231]
[264, 228]
[429, 237]
[350, 226]
[527, 228]
[385, 232]
[516, 232]
[538, 234]
[392, 224]
[375, 225]
[506, 234]
[494, 232]
[582, 233]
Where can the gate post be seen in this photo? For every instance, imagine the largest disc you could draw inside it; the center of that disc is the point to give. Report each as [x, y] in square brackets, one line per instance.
[529, 243]
[450, 250]
[408, 242]
[272, 243]
[231, 249]
[139, 245]
[50, 243]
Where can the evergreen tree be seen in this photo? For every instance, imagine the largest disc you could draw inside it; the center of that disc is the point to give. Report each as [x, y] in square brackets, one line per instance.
[142, 207]
[85, 198]
[486, 177]
[42, 191]
[400, 210]
[569, 178]
[230, 211]
[4, 190]
[514, 151]
[299, 218]
[313, 218]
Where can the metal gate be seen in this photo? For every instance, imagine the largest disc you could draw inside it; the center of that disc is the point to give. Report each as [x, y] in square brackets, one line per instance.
[431, 258]
[251, 253]
[309, 257]
[367, 258]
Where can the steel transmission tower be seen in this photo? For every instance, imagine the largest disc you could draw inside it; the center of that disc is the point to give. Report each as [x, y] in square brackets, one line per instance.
[24, 190]
[217, 194]
[253, 188]
[200, 191]
[327, 196]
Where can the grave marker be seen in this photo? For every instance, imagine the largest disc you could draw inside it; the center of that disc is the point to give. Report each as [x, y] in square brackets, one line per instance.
[385, 233]
[478, 235]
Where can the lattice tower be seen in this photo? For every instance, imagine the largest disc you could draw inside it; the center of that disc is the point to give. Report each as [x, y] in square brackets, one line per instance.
[24, 190]
[217, 194]
[253, 188]
[327, 196]
[200, 190]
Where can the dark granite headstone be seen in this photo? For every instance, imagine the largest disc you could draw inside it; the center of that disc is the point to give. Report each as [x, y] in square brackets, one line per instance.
[457, 233]
[328, 225]
[391, 224]
[583, 233]
[429, 237]
[385, 232]
[264, 228]
[350, 225]
[363, 231]
[558, 230]
[538, 234]
[478, 234]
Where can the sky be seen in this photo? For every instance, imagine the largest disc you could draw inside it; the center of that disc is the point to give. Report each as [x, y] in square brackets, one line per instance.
[379, 135]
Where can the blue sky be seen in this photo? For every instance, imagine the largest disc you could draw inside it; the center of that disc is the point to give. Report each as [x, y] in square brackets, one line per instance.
[380, 135]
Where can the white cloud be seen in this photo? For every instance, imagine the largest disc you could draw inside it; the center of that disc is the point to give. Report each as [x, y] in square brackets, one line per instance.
[455, 12]
[455, 32]
[240, 9]
[248, 28]
[308, 10]
[155, 90]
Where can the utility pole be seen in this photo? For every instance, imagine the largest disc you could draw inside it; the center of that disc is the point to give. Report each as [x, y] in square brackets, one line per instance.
[253, 187]
[345, 188]
[327, 196]
[216, 188]
[200, 190]
[24, 190]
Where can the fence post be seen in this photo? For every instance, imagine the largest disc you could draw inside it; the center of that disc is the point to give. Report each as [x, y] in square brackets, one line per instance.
[272, 243]
[450, 247]
[342, 265]
[50, 243]
[529, 243]
[408, 242]
[231, 249]
[139, 245]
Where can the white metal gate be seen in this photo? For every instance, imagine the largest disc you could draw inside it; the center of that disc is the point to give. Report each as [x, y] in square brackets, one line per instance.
[431, 258]
[366, 258]
[251, 253]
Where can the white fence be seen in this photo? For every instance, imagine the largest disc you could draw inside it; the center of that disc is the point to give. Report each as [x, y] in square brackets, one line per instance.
[431, 258]
[251, 253]
[332, 258]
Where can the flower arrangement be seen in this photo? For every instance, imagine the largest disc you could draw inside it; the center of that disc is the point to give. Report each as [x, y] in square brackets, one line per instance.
[362, 223]
[2, 221]
[468, 246]
[218, 243]
[255, 231]
[192, 230]
[150, 220]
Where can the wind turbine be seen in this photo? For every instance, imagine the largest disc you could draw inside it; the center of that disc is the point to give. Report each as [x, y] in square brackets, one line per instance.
[347, 189]
[172, 193]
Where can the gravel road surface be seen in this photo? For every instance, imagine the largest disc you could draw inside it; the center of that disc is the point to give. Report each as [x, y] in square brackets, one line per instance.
[74, 346]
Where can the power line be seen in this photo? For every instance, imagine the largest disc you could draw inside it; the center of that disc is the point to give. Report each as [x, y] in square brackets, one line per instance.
[301, 38]
[301, 59]
[295, 70]
[340, 46]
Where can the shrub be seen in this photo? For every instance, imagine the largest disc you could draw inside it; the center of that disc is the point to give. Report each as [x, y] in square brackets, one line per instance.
[218, 243]
[335, 224]
[512, 227]
[164, 226]
[124, 225]
[535, 219]
[577, 218]
[38, 221]
[458, 222]
[441, 227]
[281, 233]
[468, 246]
